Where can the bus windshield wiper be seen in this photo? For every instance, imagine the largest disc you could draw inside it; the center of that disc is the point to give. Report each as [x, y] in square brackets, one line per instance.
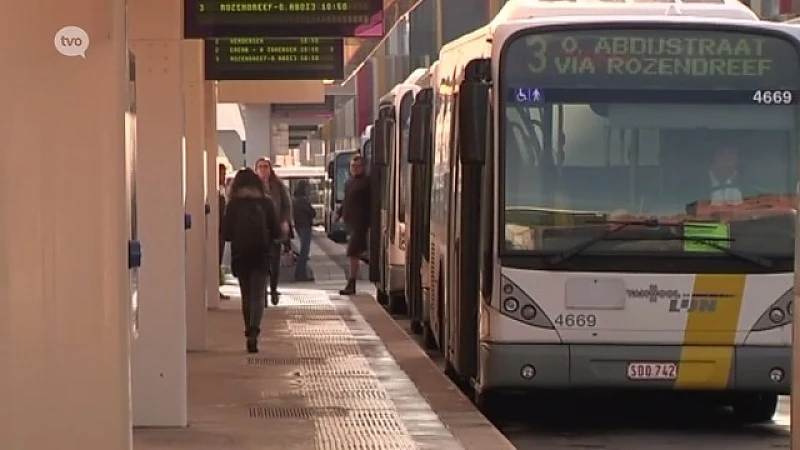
[713, 242]
[581, 247]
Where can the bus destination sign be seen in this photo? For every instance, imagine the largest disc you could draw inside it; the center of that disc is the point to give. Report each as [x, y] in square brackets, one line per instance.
[251, 58]
[653, 59]
[282, 18]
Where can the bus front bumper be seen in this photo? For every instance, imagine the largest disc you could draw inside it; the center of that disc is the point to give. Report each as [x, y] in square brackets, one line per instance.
[564, 366]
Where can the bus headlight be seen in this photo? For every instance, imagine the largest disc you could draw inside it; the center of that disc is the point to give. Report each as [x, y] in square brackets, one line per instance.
[510, 304]
[517, 305]
[779, 313]
[776, 315]
[528, 312]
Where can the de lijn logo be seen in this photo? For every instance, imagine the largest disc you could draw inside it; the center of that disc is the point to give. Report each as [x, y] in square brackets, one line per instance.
[72, 41]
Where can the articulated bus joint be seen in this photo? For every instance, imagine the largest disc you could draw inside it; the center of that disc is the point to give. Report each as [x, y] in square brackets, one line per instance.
[516, 304]
[779, 314]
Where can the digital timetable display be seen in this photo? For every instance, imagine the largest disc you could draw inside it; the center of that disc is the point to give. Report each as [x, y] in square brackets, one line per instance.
[251, 58]
[282, 18]
[652, 59]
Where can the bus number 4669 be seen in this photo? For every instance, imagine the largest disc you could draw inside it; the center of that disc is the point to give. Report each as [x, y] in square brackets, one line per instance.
[576, 321]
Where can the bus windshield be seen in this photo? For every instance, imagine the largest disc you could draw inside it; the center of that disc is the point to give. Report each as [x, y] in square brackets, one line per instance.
[366, 151]
[403, 170]
[342, 174]
[685, 126]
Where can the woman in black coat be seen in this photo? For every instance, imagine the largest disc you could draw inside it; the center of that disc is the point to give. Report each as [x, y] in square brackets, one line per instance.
[250, 262]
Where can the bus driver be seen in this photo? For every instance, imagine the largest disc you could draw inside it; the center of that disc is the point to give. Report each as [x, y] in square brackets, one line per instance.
[723, 177]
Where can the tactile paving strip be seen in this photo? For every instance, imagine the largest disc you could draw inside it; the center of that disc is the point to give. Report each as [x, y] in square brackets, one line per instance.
[335, 373]
[364, 428]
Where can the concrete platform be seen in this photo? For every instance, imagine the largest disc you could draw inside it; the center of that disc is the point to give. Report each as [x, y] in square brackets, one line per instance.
[334, 373]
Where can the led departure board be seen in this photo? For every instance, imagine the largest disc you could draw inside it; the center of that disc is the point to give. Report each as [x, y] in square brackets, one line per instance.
[282, 18]
[652, 59]
[251, 58]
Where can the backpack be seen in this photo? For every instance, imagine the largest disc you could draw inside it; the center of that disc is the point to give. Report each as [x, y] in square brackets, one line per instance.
[250, 234]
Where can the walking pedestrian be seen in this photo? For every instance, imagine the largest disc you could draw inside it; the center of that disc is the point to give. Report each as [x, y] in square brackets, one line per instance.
[279, 194]
[223, 201]
[303, 213]
[355, 211]
[251, 226]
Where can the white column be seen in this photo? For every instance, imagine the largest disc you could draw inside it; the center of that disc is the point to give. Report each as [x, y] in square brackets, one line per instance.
[194, 179]
[231, 144]
[258, 128]
[212, 199]
[159, 353]
[65, 309]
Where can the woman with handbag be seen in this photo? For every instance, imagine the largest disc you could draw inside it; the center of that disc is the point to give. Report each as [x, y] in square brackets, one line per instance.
[279, 194]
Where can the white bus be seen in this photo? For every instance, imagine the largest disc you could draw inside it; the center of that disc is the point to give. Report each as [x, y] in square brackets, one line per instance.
[418, 209]
[317, 185]
[395, 110]
[338, 172]
[614, 200]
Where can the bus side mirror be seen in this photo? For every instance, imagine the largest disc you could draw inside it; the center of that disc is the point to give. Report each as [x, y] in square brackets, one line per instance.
[473, 107]
[330, 170]
[419, 140]
[380, 147]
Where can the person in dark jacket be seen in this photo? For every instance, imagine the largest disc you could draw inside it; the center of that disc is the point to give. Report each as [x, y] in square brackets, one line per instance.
[304, 214]
[250, 267]
[279, 194]
[356, 214]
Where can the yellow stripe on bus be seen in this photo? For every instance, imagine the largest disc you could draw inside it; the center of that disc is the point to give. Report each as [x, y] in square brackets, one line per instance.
[709, 337]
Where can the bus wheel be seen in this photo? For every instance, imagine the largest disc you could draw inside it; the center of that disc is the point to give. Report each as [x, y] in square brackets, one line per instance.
[428, 338]
[452, 373]
[416, 327]
[381, 297]
[488, 401]
[397, 304]
[755, 408]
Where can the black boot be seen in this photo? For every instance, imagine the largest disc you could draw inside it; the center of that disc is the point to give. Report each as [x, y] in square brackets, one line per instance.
[275, 297]
[252, 339]
[350, 288]
[252, 345]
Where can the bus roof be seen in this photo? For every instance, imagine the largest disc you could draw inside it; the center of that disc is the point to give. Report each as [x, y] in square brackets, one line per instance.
[520, 14]
[300, 172]
[398, 91]
[365, 135]
[416, 75]
[530, 9]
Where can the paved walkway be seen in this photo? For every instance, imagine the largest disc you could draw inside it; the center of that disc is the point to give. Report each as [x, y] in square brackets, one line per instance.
[324, 380]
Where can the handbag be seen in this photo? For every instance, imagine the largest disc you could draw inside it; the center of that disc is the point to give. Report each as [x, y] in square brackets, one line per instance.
[288, 258]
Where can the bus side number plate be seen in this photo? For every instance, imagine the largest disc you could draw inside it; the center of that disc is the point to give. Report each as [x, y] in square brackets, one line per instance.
[652, 371]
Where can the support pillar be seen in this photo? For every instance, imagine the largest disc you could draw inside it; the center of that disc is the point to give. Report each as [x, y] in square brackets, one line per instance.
[194, 196]
[258, 128]
[65, 305]
[159, 353]
[212, 199]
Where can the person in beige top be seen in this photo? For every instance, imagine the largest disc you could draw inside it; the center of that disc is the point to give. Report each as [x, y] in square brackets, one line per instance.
[279, 194]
